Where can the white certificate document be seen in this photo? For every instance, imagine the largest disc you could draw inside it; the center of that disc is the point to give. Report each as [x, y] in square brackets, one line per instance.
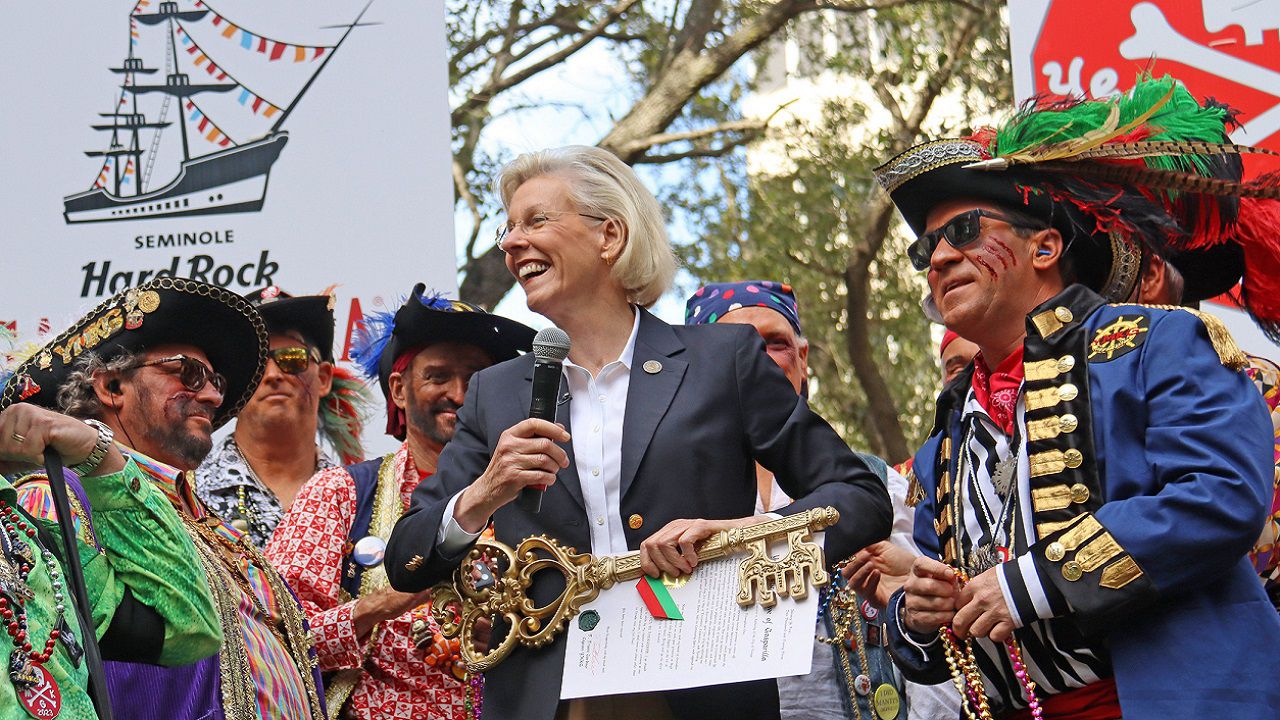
[630, 651]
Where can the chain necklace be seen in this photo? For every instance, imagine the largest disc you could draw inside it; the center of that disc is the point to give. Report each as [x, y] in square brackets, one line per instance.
[842, 607]
[15, 568]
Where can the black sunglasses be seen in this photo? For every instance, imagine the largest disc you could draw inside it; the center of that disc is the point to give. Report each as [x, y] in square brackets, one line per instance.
[193, 374]
[293, 360]
[960, 232]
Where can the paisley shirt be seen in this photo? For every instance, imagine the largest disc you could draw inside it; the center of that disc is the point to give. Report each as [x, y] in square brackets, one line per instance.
[225, 475]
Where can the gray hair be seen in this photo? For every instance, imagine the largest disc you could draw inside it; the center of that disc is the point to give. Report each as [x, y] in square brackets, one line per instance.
[76, 396]
[601, 184]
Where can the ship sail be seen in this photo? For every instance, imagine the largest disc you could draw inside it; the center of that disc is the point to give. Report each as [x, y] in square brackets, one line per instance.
[227, 146]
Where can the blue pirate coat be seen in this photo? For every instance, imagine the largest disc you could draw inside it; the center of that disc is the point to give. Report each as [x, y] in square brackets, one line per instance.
[1150, 479]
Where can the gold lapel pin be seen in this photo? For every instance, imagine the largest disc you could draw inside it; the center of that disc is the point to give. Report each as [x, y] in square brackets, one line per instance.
[653, 367]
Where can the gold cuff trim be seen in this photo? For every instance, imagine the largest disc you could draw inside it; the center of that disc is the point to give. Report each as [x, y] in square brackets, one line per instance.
[1120, 573]
[1087, 528]
[1098, 551]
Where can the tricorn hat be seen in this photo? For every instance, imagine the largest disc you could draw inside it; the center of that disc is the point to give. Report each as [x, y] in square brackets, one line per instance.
[425, 320]
[163, 311]
[1150, 170]
[310, 315]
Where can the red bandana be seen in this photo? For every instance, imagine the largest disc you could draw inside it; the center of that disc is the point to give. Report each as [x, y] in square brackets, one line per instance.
[997, 393]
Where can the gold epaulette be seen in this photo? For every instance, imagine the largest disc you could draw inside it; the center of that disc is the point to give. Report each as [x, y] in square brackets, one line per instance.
[1229, 353]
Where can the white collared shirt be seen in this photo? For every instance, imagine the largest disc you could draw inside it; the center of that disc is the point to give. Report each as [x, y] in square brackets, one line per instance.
[595, 420]
[596, 413]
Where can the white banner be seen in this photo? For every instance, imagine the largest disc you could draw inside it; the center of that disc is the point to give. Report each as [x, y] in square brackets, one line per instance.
[238, 142]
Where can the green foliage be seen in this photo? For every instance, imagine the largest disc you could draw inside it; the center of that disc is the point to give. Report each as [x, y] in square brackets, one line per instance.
[798, 208]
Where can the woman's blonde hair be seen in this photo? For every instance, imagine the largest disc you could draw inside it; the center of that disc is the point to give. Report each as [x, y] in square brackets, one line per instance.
[601, 184]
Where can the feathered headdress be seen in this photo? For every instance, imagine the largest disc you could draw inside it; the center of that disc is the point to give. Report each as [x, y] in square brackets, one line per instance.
[343, 413]
[1150, 170]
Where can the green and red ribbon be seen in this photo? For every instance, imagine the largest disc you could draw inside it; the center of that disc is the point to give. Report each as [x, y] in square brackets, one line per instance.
[657, 598]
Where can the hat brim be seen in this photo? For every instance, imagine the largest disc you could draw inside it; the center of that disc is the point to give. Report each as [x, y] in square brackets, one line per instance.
[1014, 191]
[220, 323]
[417, 325]
[1210, 272]
[310, 315]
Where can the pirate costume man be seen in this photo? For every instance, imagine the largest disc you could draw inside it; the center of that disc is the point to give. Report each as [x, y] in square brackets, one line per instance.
[146, 599]
[226, 480]
[1112, 471]
[330, 544]
[265, 666]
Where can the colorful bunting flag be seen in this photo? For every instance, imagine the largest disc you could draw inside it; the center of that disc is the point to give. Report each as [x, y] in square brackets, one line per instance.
[274, 49]
[657, 598]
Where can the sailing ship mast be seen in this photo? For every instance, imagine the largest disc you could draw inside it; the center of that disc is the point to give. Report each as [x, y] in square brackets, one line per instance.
[177, 84]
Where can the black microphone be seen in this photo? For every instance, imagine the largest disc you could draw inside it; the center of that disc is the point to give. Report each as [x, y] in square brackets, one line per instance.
[550, 348]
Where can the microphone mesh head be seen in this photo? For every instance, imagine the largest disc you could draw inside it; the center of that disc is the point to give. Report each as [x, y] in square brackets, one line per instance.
[551, 344]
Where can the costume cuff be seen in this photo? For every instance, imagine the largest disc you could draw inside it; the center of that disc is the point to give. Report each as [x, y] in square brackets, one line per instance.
[452, 539]
[337, 645]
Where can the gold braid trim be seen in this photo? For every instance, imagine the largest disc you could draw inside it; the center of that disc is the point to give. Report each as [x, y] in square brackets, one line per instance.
[1229, 353]
[915, 491]
[387, 509]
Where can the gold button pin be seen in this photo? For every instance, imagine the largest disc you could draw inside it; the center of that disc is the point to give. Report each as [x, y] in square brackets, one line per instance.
[1068, 423]
[1079, 493]
[1072, 458]
[1055, 552]
[653, 367]
[635, 522]
[1068, 392]
[1072, 571]
[1066, 363]
[1063, 314]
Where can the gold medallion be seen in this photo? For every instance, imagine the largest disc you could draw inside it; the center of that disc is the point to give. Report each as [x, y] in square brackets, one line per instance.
[886, 702]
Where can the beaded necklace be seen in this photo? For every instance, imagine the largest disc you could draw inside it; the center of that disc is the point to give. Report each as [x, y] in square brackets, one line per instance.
[842, 605]
[15, 568]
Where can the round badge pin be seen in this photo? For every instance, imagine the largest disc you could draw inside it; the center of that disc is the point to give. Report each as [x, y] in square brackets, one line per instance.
[369, 550]
[862, 685]
[869, 611]
[588, 620]
[886, 702]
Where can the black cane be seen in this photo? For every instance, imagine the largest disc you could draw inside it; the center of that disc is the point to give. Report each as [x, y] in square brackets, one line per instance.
[75, 579]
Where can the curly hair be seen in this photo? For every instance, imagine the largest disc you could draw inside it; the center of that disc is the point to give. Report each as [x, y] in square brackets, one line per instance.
[76, 396]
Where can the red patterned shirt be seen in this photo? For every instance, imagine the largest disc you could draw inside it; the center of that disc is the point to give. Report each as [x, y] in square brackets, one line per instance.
[308, 549]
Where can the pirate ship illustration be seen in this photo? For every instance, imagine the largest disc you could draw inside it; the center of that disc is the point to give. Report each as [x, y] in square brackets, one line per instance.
[219, 170]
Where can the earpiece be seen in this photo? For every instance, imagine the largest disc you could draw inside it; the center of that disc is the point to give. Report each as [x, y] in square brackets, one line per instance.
[114, 387]
[1043, 251]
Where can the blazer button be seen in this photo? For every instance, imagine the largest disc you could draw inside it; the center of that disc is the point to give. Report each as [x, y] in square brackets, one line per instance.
[635, 522]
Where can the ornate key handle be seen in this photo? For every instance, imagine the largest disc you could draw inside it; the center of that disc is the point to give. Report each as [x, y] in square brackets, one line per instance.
[460, 604]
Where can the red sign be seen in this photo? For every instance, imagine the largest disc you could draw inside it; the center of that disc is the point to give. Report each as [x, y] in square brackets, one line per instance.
[1228, 50]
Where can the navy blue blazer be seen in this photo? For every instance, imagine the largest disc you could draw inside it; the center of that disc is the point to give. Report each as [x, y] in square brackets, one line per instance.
[691, 436]
[1151, 476]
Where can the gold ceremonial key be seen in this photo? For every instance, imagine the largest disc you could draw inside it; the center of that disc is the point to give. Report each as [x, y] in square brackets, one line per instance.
[462, 602]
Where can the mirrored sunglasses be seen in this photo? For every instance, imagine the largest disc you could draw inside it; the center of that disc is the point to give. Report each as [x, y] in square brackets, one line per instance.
[293, 360]
[192, 373]
[960, 232]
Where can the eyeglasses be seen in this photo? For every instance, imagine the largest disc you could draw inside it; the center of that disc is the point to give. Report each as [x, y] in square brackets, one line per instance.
[293, 360]
[193, 374]
[536, 222]
[960, 232]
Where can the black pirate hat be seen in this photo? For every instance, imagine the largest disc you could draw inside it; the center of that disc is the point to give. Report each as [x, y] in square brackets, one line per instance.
[427, 319]
[163, 311]
[310, 315]
[1150, 170]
